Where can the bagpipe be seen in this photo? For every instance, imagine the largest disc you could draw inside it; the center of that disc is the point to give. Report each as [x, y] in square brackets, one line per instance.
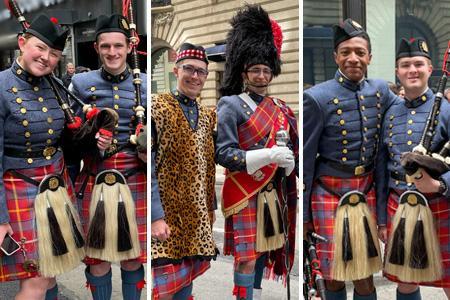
[413, 253]
[421, 157]
[81, 133]
[139, 138]
[313, 280]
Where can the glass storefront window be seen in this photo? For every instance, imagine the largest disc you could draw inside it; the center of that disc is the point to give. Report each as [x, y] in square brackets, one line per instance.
[318, 19]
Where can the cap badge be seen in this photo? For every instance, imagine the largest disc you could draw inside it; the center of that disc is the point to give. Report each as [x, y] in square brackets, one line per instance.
[423, 46]
[356, 25]
[124, 24]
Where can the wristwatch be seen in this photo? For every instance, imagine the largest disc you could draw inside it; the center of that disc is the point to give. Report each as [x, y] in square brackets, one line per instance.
[443, 188]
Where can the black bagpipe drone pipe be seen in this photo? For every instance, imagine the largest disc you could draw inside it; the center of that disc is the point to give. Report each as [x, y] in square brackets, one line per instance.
[313, 280]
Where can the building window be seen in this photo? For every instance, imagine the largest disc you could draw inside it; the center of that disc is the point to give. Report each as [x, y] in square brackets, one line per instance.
[162, 76]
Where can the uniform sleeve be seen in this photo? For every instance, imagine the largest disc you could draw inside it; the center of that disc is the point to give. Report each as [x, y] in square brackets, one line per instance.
[228, 153]
[157, 211]
[4, 215]
[212, 204]
[382, 181]
[442, 132]
[312, 130]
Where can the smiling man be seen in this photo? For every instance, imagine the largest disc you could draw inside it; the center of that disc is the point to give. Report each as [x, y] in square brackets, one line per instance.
[183, 149]
[342, 121]
[112, 87]
[403, 127]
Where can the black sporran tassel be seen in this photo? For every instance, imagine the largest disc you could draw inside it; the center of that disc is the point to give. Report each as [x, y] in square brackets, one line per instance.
[398, 244]
[419, 257]
[59, 246]
[78, 238]
[123, 228]
[269, 229]
[347, 253]
[96, 233]
[371, 249]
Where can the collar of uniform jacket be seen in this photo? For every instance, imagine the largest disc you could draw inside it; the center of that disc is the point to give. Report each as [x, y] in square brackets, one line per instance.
[183, 99]
[24, 75]
[347, 83]
[428, 94]
[116, 78]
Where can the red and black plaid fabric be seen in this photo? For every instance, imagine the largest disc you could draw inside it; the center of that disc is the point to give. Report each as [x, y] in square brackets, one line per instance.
[137, 183]
[169, 279]
[324, 205]
[240, 234]
[259, 125]
[440, 208]
[20, 197]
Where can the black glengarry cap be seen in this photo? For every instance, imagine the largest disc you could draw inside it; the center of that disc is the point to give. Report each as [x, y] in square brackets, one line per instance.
[48, 31]
[347, 30]
[412, 47]
[113, 23]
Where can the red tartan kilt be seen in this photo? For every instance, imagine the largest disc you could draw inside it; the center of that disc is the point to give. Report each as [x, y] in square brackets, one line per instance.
[169, 279]
[138, 187]
[323, 207]
[440, 208]
[240, 234]
[20, 197]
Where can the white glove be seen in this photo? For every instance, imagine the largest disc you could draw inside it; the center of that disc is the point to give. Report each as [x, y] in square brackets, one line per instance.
[256, 159]
[288, 167]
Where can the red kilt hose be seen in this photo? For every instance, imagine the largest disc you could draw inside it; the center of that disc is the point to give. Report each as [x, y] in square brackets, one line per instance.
[137, 183]
[324, 205]
[171, 278]
[240, 234]
[440, 208]
[20, 197]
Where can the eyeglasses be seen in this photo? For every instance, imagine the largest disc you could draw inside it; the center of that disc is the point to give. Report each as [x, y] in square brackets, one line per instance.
[256, 71]
[191, 70]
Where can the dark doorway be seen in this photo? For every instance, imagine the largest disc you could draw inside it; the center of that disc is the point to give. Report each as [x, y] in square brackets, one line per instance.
[87, 56]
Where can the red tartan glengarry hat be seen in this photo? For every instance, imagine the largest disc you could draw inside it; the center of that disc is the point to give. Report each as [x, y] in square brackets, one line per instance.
[254, 39]
[190, 51]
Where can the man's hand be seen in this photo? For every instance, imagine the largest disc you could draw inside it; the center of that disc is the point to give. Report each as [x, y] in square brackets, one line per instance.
[308, 226]
[5, 229]
[426, 184]
[382, 233]
[160, 230]
[103, 141]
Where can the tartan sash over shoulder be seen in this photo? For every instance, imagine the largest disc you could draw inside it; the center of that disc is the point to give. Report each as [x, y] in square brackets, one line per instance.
[238, 186]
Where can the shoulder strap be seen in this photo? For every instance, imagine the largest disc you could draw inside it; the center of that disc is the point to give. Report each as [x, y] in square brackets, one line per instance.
[249, 101]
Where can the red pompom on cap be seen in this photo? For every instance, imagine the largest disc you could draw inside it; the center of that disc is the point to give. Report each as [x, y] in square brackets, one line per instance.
[54, 20]
[277, 36]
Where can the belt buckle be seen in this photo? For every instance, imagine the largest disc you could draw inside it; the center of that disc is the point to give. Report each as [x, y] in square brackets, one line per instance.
[359, 170]
[49, 151]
